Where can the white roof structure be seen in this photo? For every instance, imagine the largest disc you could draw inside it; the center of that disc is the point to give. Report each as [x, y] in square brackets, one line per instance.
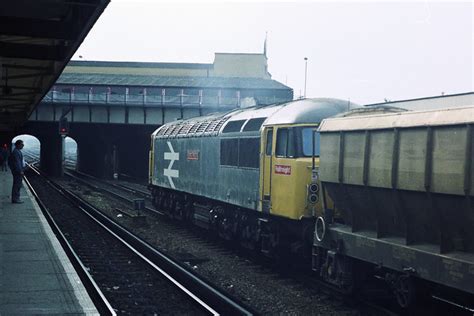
[451, 116]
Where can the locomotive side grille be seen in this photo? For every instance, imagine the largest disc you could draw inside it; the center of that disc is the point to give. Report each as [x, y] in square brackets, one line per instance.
[194, 128]
[211, 127]
[162, 131]
[219, 124]
[202, 127]
[177, 130]
[185, 129]
[166, 130]
[172, 130]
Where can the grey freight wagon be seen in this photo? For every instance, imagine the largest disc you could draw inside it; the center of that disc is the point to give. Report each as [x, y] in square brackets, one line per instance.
[403, 187]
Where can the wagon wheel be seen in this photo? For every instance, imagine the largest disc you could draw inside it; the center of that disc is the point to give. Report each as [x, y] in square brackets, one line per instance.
[404, 291]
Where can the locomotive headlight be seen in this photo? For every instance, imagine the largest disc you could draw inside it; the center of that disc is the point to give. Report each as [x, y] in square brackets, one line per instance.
[312, 193]
[313, 187]
[313, 198]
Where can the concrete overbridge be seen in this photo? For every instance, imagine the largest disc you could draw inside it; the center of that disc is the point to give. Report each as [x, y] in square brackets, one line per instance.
[113, 107]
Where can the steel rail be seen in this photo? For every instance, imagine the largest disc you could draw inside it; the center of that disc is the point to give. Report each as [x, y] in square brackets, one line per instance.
[98, 298]
[450, 302]
[116, 185]
[104, 190]
[213, 300]
[145, 194]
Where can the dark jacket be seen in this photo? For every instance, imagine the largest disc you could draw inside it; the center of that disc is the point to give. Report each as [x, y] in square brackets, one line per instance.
[3, 155]
[16, 159]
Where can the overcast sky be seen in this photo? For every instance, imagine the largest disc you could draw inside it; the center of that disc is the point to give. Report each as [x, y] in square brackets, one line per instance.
[362, 51]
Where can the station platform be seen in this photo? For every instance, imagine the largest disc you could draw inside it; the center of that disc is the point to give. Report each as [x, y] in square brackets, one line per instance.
[36, 276]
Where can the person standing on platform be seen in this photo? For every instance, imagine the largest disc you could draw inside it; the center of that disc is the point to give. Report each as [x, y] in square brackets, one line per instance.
[4, 158]
[17, 166]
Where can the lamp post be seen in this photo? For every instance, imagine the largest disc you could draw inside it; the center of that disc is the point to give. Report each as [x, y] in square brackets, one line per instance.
[305, 74]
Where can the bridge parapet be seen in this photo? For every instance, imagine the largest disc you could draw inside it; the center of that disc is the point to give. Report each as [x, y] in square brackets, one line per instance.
[72, 97]
[117, 105]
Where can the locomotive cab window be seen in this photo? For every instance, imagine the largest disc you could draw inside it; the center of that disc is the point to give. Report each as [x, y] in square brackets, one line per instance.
[307, 142]
[268, 149]
[285, 144]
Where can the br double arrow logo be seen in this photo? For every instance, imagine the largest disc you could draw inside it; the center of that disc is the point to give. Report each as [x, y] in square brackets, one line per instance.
[169, 172]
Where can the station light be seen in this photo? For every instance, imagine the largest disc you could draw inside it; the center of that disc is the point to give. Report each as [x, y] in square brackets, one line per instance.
[63, 126]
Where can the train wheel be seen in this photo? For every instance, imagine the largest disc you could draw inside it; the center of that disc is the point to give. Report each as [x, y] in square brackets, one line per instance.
[248, 235]
[179, 209]
[225, 229]
[404, 290]
[270, 239]
[189, 211]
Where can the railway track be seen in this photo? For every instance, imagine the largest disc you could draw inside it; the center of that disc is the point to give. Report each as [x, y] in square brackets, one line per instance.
[133, 276]
[376, 301]
[126, 193]
[133, 188]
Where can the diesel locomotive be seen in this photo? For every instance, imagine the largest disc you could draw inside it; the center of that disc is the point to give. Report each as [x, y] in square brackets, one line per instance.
[248, 174]
[403, 186]
[372, 191]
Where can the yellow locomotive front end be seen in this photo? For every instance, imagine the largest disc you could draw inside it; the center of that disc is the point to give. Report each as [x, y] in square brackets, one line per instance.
[289, 185]
[289, 189]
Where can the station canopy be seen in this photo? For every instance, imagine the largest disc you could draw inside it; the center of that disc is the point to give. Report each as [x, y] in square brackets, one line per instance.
[37, 39]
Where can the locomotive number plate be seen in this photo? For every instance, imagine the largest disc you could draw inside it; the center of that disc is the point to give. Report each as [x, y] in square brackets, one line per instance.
[193, 155]
[282, 169]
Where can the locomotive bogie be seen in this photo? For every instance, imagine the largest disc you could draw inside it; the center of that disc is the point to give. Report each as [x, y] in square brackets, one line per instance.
[252, 230]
